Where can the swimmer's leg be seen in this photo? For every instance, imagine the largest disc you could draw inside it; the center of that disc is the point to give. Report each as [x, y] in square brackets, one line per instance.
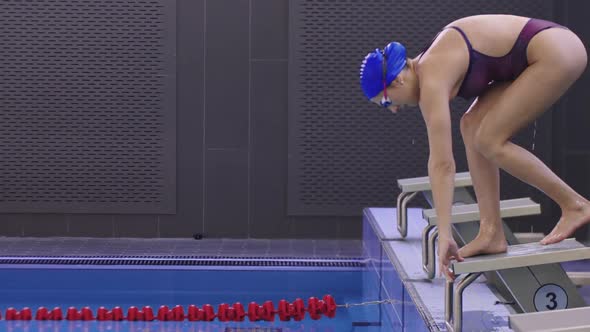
[557, 58]
[485, 176]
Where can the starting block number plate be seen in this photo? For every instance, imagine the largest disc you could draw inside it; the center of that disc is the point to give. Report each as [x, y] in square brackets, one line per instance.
[550, 297]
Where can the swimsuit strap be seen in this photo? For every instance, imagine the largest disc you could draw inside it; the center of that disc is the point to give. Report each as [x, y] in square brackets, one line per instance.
[464, 37]
[452, 27]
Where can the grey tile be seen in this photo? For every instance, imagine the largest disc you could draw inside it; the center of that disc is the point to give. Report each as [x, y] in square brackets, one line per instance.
[193, 247]
[40, 225]
[178, 247]
[227, 73]
[209, 252]
[303, 248]
[90, 225]
[190, 93]
[226, 193]
[280, 243]
[270, 23]
[280, 252]
[327, 245]
[12, 224]
[233, 244]
[136, 226]
[256, 244]
[213, 244]
[352, 248]
[268, 172]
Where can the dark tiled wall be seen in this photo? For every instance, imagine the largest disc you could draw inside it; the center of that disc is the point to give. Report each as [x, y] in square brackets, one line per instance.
[232, 127]
[571, 144]
[231, 136]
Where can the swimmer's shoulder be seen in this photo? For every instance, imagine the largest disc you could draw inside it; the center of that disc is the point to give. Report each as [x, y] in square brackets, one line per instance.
[445, 63]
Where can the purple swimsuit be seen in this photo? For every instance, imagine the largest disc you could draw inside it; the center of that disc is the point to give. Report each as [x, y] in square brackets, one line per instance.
[484, 69]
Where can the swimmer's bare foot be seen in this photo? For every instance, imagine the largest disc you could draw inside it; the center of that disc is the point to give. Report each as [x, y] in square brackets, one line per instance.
[487, 241]
[571, 220]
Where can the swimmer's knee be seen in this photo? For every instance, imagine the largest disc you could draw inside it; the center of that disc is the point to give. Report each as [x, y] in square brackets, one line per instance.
[489, 146]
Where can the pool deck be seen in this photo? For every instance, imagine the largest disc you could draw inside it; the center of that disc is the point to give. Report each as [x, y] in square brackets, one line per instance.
[67, 247]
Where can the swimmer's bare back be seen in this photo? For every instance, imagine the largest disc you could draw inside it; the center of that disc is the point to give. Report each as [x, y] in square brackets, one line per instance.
[489, 35]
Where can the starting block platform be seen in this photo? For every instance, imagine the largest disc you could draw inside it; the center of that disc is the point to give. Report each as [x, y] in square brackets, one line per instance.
[565, 320]
[510, 208]
[546, 298]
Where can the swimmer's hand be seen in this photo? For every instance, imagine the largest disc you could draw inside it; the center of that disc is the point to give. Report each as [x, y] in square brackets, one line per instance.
[447, 251]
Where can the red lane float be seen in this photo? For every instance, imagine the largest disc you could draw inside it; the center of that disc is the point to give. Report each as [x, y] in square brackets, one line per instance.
[73, 314]
[56, 314]
[148, 314]
[225, 313]
[42, 314]
[134, 314]
[298, 310]
[239, 313]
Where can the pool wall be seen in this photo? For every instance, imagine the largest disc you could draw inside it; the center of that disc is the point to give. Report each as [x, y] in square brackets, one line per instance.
[404, 313]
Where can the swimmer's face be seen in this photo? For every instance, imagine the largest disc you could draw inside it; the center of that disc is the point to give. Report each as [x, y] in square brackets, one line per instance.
[393, 104]
[400, 93]
[393, 107]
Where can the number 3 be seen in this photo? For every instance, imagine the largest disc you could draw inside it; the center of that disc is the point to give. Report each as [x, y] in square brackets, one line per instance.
[552, 300]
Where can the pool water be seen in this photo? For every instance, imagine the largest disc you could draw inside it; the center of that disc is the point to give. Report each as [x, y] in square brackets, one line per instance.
[47, 287]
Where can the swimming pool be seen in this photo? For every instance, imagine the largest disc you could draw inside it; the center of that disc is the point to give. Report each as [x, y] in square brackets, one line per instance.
[80, 286]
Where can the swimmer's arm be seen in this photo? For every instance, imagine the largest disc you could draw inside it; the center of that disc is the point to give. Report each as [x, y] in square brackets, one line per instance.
[439, 71]
[434, 104]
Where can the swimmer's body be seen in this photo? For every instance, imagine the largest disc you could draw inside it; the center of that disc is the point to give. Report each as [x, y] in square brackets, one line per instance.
[517, 67]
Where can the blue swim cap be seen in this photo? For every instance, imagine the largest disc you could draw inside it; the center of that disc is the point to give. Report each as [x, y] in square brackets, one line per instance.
[372, 68]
